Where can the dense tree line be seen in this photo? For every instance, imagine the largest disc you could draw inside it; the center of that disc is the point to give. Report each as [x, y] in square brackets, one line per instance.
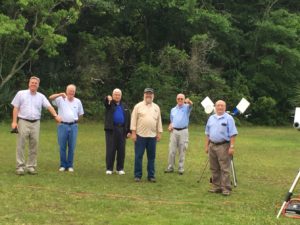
[222, 49]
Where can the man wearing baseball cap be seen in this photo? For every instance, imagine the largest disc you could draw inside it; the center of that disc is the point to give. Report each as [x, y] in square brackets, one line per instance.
[146, 128]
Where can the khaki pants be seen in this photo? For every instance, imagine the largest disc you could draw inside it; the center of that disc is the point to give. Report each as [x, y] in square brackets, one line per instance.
[179, 139]
[30, 131]
[219, 160]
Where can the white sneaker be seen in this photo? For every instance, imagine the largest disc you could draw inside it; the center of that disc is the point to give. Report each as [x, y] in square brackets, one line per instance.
[62, 169]
[31, 171]
[20, 171]
[121, 172]
[108, 172]
[71, 169]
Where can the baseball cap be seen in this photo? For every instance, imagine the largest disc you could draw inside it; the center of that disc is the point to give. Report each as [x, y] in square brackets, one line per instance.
[149, 90]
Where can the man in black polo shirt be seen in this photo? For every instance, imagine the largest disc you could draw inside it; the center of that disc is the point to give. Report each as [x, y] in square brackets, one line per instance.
[117, 128]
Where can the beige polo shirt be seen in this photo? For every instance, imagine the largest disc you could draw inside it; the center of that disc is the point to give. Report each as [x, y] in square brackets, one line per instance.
[146, 119]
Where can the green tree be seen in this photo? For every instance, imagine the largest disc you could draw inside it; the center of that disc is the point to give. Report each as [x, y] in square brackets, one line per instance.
[29, 26]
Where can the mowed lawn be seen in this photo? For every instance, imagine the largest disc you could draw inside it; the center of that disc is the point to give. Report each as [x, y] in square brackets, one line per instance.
[267, 161]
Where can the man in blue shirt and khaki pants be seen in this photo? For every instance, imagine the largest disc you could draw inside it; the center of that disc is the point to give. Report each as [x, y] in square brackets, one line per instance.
[179, 134]
[220, 133]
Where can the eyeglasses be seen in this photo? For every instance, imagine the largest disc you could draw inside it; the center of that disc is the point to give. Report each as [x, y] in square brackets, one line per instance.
[179, 98]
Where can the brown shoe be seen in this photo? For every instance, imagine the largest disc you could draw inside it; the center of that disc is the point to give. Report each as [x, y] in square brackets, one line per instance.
[225, 193]
[215, 190]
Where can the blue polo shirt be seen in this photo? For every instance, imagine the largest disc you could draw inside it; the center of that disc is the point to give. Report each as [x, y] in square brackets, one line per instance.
[179, 115]
[119, 115]
[220, 128]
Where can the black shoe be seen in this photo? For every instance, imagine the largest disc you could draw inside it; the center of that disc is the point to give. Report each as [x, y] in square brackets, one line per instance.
[169, 170]
[152, 179]
[137, 179]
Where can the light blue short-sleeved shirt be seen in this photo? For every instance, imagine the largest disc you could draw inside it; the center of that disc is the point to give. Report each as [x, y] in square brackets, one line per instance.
[69, 111]
[179, 115]
[30, 105]
[220, 128]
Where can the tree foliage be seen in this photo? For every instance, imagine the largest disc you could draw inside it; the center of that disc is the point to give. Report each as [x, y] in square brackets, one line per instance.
[222, 49]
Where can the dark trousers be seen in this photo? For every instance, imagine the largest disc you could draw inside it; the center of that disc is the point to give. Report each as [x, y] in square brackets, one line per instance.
[141, 144]
[115, 143]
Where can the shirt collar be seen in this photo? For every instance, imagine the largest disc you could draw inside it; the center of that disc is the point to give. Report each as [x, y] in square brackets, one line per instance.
[179, 107]
[219, 117]
[148, 103]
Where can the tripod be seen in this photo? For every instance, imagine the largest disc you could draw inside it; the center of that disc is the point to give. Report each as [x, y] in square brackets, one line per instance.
[232, 172]
[289, 194]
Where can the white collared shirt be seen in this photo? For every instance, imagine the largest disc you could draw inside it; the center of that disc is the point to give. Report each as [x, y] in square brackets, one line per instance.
[30, 105]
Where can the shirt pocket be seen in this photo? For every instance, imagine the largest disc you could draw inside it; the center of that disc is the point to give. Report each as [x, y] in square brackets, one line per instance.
[223, 128]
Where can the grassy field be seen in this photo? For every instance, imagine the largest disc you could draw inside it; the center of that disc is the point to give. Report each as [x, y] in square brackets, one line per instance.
[266, 160]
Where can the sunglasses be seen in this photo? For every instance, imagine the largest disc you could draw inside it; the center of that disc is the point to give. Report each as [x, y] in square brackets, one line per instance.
[179, 98]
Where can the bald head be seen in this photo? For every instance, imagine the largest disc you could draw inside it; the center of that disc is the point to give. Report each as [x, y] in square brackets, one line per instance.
[220, 106]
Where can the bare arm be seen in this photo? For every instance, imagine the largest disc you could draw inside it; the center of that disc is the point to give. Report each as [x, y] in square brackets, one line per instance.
[188, 101]
[54, 96]
[206, 143]
[158, 136]
[15, 113]
[231, 148]
[54, 114]
[133, 135]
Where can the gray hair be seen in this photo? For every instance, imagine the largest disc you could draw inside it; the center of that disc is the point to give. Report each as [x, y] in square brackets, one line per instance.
[117, 90]
[71, 85]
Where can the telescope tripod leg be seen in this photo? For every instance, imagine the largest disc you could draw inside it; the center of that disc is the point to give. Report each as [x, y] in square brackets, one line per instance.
[233, 172]
[289, 194]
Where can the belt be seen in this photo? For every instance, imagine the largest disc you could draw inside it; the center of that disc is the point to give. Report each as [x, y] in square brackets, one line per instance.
[69, 123]
[30, 121]
[119, 124]
[219, 143]
[180, 128]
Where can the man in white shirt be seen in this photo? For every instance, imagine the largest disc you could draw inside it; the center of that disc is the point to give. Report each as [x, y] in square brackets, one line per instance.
[26, 115]
[69, 109]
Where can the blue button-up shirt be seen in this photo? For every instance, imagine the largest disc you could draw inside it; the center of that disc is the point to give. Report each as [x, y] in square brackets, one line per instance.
[220, 128]
[119, 115]
[179, 115]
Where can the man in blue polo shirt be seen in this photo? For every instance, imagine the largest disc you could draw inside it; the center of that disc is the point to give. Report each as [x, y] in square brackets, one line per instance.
[220, 133]
[179, 134]
[117, 128]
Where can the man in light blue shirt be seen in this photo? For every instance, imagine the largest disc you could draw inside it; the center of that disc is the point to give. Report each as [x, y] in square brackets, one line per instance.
[220, 133]
[69, 109]
[179, 134]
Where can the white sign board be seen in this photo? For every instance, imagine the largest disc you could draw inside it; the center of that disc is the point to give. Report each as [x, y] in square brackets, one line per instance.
[208, 105]
[243, 105]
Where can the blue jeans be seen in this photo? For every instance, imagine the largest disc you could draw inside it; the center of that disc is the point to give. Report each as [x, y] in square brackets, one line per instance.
[141, 144]
[67, 135]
